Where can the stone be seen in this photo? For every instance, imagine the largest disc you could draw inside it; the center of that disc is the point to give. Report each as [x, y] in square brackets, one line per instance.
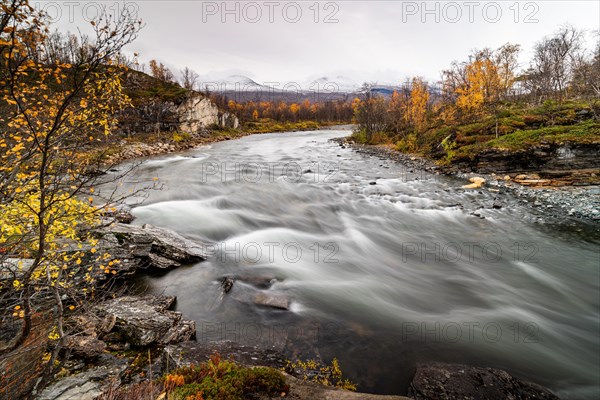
[85, 347]
[142, 321]
[160, 262]
[278, 300]
[307, 390]
[227, 284]
[476, 182]
[170, 244]
[455, 381]
[147, 247]
[86, 385]
[190, 352]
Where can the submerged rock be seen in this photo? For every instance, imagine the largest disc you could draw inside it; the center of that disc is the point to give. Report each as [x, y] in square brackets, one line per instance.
[274, 300]
[454, 381]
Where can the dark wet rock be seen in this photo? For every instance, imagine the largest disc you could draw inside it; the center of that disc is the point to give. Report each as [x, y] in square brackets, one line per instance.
[227, 284]
[258, 281]
[159, 262]
[142, 321]
[119, 213]
[453, 381]
[478, 215]
[266, 298]
[372, 183]
[496, 205]
[187, 353]
[306, 390]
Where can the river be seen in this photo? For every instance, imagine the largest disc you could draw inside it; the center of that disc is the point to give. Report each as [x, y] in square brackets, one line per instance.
[384, 267]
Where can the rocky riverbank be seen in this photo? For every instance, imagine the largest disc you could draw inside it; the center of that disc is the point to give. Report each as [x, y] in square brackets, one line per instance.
[549, 204]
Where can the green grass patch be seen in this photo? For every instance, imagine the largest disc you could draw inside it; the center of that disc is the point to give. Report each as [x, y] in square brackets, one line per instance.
[266, 125]
[583, 132]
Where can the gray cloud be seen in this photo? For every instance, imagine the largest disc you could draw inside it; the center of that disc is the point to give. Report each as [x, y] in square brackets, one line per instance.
[370, 40]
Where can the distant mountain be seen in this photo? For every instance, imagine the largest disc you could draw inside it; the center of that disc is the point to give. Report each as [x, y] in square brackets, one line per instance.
[241, 87]
[339, 83]
[225, 83]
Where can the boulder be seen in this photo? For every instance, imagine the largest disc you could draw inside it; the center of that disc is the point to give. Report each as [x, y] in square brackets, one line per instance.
[86, 385]
[248, 294]
[84, 347]
[142, 321]
[148, 246]
[303, 389]
[454, 381]
[476, 183]
[274, 300]
[159, 262]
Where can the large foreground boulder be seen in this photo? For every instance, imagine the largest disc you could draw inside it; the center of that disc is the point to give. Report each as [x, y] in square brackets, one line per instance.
[87, 385]
[148, 246]
[454, 381]
[142, 321]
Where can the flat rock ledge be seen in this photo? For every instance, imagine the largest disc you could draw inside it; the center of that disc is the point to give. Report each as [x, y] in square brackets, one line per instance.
[454, 381]
[143, 321]
[149, 246]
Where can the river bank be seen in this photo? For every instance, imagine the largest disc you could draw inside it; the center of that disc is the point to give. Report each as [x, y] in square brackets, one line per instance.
[568, 205]
[148, 145]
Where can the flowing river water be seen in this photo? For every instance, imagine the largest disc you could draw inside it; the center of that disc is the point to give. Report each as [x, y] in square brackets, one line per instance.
[384, 267]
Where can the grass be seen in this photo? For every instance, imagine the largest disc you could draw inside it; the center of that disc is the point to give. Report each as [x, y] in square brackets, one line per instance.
[583, 132]
[266, 125]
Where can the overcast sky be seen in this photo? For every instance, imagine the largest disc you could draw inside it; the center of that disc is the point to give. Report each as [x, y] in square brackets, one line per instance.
[282, 41]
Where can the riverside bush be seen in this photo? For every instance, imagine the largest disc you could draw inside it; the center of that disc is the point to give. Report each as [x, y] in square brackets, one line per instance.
[223, 380]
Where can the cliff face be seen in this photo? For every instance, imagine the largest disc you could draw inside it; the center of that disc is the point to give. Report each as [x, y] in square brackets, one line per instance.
[159, 106]
[197, 112]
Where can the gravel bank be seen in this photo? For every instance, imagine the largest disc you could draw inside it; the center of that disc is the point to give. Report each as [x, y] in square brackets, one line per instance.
[569, 205]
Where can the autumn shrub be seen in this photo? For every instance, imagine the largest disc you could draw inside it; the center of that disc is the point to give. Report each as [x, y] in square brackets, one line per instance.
[407, 144]
[359, 136]
[223, 379]
[181, 137]
[319, 372]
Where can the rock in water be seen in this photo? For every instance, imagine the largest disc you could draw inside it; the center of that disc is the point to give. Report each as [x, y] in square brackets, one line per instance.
[274, 300]
[476, 183]
[227, 284]
[453, 381]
